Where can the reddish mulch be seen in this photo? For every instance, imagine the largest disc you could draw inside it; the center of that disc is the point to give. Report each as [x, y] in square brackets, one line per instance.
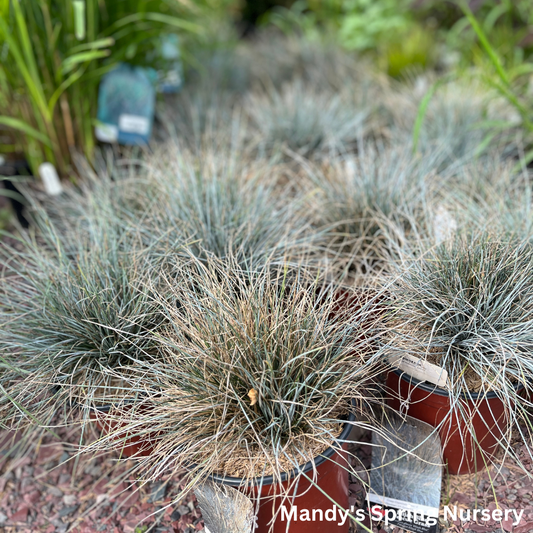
[43, 488]
[47, 490]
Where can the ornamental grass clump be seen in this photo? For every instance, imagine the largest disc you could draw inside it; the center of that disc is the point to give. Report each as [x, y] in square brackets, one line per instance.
[258, 373]
[360, 203]
[490, 193]
[11, 403]
[212, 201]
[451, 121]
[224, 208]
[70, 314]
[466, 305]
[306, 121]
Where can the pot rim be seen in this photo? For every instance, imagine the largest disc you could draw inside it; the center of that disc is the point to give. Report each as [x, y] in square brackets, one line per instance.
[439, 391]
[317, 461]
[105, 408]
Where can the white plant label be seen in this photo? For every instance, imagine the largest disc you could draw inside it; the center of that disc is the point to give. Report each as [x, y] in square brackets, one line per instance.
[106, 133]
[133, 124]
[400, 504]
[420, 369]
[444, 224]
[51, 182]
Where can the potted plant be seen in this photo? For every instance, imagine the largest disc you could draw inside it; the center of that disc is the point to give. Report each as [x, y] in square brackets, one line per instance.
[76, 315]
[258, 388]
[90, 316]
[222, 207]
[465, 307]
[307, 121]
[359, 202]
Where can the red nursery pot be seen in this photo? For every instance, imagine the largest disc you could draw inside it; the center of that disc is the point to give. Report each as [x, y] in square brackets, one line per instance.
[136, 445]
[331, 477]
[348, 301]
[431, 404]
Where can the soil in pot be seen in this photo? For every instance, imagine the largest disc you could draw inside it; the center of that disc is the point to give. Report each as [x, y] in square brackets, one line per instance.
[463, 452]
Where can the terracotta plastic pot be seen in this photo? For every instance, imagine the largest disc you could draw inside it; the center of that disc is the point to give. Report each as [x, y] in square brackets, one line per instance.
[349, 301]
[485, 413]
[331, 477]
[136, 445]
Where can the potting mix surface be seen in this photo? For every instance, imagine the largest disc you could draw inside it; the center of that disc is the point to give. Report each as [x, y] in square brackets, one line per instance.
[48, 489]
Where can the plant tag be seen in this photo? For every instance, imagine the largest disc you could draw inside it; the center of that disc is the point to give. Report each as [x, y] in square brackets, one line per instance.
[126, 105]
[405, 488]
[79, 19]
[51, 182]
[420, 369]
[106, 133]
[225, 509]
[133, 124]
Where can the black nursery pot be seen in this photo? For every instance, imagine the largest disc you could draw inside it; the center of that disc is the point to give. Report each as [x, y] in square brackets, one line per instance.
[10, 169]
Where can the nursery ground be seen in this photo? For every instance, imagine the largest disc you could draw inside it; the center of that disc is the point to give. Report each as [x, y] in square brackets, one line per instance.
[47, 490]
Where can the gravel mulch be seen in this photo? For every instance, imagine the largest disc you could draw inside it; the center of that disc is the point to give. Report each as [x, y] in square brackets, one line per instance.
[48, 490]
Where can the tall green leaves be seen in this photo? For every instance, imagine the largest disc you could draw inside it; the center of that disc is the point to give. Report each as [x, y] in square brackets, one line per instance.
[509, 83]
[53, 56]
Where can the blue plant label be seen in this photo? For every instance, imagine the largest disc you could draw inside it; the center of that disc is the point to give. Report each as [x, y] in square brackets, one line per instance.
[126, 106]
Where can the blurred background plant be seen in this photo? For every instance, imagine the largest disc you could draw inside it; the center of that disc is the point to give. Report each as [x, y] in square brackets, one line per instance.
[386, 27]
[53, 55]
[307, 121]
[409, 34]
[510, 79]
[354, 136]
